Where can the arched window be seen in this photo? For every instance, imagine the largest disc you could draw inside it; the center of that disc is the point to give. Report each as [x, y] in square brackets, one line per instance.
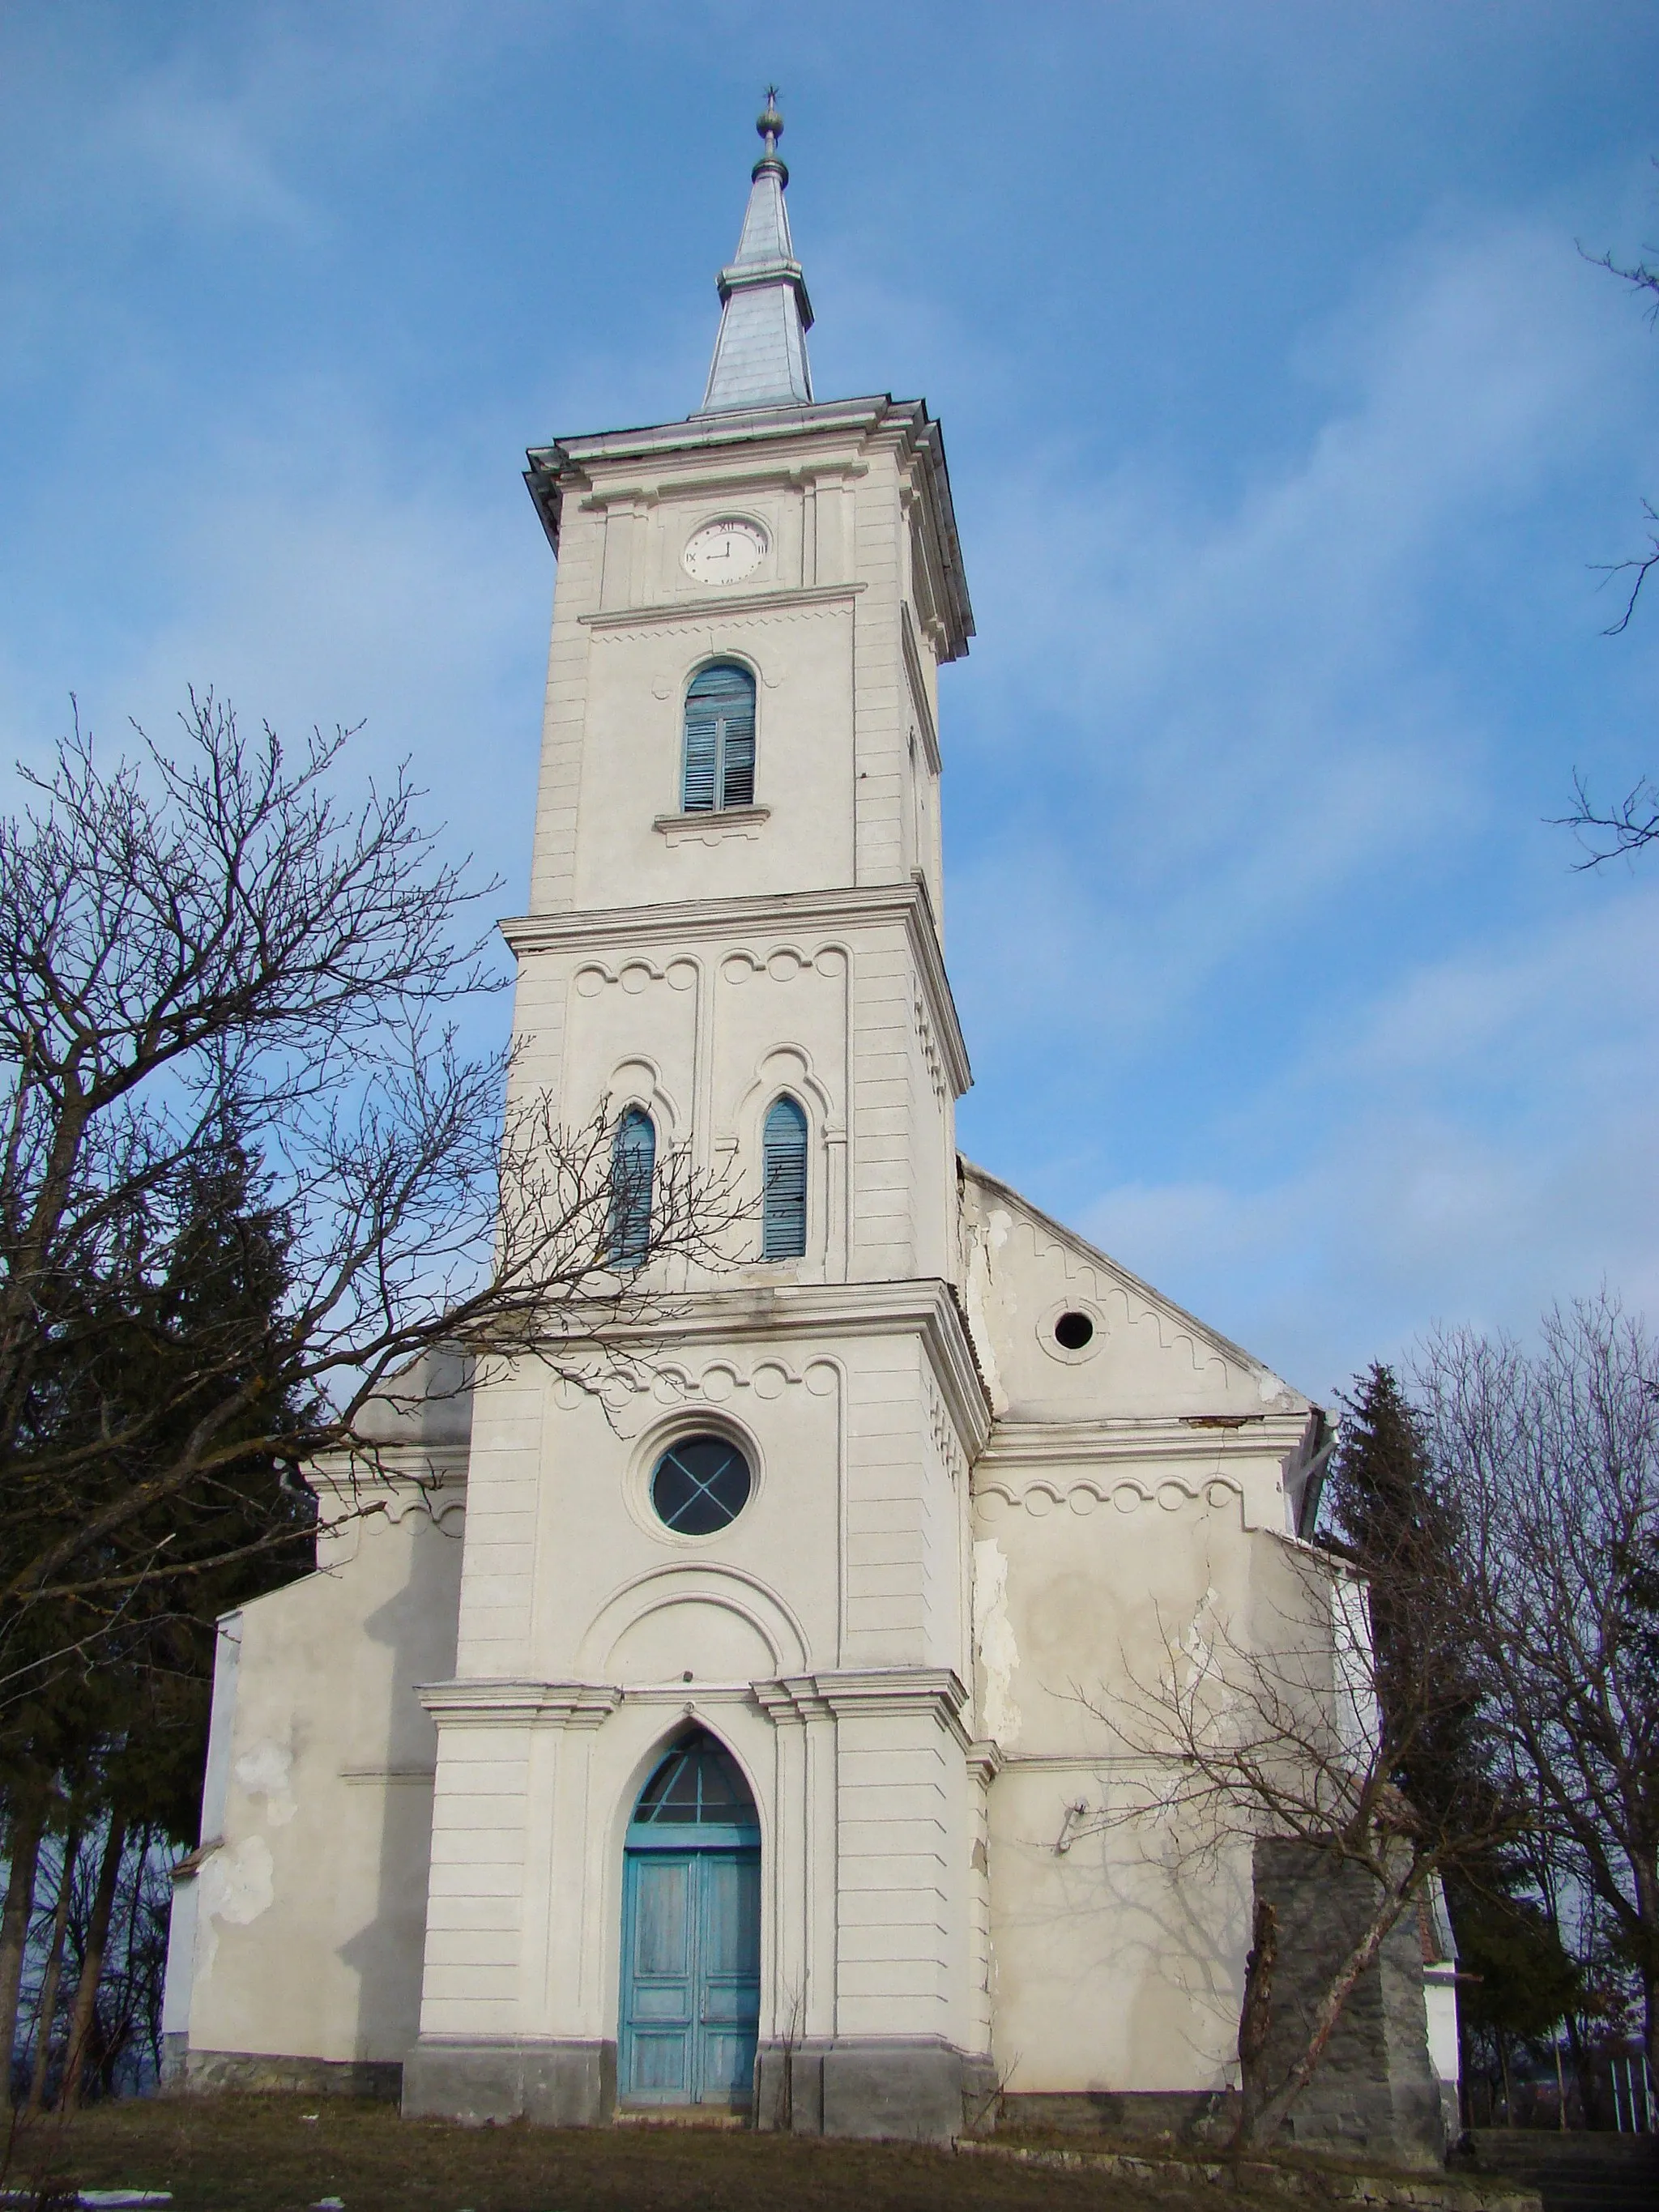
[720, 739]
[783, 1158]
[633, 1160]
[698, 1786]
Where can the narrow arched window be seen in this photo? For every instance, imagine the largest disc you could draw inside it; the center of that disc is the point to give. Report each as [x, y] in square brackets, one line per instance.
[783, 1155]
[633, 1161]
[720, 739]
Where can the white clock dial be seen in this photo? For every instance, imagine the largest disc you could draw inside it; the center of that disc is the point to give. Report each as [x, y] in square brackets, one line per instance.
[724, 552]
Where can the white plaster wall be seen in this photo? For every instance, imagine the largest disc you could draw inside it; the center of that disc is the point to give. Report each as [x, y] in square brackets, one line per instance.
[1130, 1517]
[844, 1575]
[1118, 1946]
[1115, 1968]
[1147, 1357]
[524, 1934]
[309, 1916]
[705, 1023]
[820, 623]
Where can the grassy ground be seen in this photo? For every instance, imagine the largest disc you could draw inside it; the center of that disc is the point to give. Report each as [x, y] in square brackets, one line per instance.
[282, 2154]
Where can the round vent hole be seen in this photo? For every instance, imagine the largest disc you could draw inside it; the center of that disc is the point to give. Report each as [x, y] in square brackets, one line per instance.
[1073, 1331]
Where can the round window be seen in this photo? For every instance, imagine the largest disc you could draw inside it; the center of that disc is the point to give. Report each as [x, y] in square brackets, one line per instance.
[1073, 1331]
[700, 1485]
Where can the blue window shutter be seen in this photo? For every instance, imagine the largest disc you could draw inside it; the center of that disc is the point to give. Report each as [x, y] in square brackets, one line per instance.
[633, 1164]
[701, 753]
[783, 1153]
[720, 739]
[738, 754]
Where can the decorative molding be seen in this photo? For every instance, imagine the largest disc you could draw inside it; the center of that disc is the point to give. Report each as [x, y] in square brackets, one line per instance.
[947, 1442]
[601, 929]
[987, 1760]
[771, 1311]
[1086, 1496]
[929, 1048]
[510, 1702]
[682, 1582]
[712, 825]
[734, 605]
[398, 1479]
[851, 1692]
[1158, 1438]
[913, 669]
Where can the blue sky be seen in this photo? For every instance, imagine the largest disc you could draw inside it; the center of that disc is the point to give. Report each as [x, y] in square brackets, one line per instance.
[1285, 424]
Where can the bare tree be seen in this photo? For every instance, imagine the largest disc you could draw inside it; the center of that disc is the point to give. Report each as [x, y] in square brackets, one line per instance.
[1634, 822]
[214, 938]
[1556, 1457]
[1643, 280]
[1290, 1725]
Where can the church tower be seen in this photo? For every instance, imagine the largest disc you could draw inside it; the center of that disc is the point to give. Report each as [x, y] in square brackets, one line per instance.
[707, 1791]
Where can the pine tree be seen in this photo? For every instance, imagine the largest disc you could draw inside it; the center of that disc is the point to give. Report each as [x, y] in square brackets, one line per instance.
[127, 1737]
[1391, 1512]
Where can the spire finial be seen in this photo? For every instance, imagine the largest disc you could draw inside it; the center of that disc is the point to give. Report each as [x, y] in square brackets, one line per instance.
[770, 123]
[760, 356]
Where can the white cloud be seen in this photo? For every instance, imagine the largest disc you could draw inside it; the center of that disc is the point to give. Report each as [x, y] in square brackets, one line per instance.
[1269, 865]
[1479, 1144]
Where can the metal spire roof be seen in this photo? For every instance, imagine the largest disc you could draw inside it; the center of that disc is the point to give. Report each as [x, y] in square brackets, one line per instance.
[760, 356]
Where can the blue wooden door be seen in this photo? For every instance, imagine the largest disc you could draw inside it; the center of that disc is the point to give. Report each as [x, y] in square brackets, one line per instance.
[691, 1979]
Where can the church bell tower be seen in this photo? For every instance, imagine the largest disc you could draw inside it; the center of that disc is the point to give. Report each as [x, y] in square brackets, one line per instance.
[709, 1818]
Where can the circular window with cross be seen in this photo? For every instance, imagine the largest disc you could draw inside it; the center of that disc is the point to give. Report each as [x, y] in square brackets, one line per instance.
[700, 1485]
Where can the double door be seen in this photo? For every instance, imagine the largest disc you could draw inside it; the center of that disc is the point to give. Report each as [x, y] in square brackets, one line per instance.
[690, 1983]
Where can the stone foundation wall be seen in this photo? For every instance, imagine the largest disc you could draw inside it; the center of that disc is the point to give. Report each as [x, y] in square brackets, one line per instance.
[1184, 2116]
[1375, 2092]
[202, 2072]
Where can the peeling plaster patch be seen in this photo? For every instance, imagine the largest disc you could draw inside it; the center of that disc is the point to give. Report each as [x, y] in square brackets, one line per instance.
[1270, 1387]
[984, 1242]
[993, 1641]
[234, 1886]
[266, 1771]
[1195, 1644]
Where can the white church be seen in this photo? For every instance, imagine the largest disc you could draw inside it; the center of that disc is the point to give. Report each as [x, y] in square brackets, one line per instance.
[728, 1754]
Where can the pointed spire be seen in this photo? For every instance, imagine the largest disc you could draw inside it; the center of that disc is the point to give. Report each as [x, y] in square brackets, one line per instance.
[760, 356]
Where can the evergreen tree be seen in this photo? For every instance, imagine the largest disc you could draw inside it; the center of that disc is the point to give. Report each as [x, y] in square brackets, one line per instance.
[126, 1737]
[1390, 1511]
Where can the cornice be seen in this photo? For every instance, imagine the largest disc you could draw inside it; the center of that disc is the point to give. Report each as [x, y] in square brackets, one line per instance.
[684, 921]
[570, 464]
[500, 1702]
[1165, 1438]
[718, 433]
[736, 601]
[937, 1693]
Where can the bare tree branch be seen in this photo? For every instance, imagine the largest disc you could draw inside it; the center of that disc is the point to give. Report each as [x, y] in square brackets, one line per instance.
[212, 942]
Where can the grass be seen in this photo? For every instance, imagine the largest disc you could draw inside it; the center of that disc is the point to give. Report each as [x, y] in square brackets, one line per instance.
[244, 2154]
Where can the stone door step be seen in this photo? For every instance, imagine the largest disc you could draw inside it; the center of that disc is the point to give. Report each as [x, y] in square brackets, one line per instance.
[682, 2116]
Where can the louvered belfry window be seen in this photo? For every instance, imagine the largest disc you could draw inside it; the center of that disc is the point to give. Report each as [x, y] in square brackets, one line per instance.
[720, 739]
[633, 1162]
[783, 1153]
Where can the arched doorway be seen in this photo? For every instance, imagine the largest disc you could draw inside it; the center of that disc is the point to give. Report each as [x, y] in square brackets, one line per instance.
[691, 1963]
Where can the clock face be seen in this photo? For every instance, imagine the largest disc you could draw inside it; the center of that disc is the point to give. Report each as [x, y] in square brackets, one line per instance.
[724, 552]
